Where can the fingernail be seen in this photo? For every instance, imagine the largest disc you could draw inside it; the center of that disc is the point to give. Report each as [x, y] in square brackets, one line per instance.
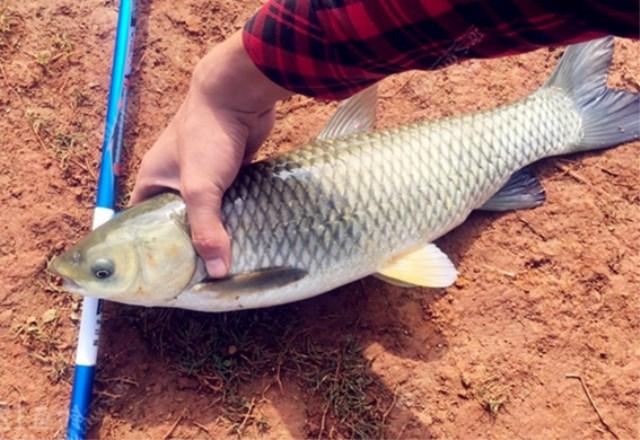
[216, 267]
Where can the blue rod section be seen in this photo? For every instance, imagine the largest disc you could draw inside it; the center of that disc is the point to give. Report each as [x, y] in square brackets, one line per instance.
[80, 401]
[86, 355]
[121, 53]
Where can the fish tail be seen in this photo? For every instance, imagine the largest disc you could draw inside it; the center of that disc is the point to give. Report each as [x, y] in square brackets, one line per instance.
[609, 117]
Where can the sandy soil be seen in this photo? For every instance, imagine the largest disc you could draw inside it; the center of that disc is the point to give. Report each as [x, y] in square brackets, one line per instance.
[542, 293]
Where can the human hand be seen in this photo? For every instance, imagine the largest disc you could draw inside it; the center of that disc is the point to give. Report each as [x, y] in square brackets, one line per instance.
[225, 117]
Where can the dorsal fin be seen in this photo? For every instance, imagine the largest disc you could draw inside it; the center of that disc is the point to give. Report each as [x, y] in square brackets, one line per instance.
[355, 115]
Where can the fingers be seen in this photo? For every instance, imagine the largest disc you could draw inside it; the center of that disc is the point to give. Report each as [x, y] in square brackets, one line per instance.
[211, 154]
[208, 234]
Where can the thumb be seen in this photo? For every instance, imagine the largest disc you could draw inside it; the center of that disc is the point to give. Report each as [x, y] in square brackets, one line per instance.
[210, 239]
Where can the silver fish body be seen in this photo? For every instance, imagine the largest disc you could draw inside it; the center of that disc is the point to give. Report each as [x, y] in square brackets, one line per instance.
[338, 210]
[341, 209]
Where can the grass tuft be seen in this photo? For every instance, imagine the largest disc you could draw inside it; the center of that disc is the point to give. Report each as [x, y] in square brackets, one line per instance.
[225, 352]
[341, 376]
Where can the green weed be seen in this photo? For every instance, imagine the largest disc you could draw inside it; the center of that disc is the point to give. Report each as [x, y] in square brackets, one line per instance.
[226, 351]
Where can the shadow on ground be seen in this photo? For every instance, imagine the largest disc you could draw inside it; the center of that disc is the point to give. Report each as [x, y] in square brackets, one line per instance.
[322, 351]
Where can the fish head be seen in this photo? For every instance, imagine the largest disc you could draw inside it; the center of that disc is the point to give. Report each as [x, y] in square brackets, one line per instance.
[101, 267]
[144, 257]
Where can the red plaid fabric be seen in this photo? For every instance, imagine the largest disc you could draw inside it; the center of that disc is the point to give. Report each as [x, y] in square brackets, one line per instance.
[333, 48]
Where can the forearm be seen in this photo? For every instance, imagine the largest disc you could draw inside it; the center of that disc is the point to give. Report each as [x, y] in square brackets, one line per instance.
[228, 78]
[327, 50]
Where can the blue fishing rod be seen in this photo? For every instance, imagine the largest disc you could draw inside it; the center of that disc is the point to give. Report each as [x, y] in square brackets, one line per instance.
[87, 350]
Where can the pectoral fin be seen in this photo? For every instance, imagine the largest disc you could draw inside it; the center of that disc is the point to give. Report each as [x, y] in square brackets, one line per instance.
[251, 282]
[425, 267]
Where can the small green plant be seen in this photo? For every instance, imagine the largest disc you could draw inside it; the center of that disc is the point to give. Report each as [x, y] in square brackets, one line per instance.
[43, 58]
[40, 124]
[493, 396]
[61, 49]
[67, 146]
[66, 141]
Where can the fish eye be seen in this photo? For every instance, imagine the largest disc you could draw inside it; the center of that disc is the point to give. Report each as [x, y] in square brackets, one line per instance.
[102, 268]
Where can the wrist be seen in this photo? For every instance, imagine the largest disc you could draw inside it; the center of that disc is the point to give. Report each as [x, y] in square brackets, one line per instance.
[228, 77]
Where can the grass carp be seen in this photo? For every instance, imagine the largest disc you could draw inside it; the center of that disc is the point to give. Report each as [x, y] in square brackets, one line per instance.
[355, 203]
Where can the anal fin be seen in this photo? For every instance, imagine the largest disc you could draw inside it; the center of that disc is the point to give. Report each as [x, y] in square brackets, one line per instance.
[522, 191]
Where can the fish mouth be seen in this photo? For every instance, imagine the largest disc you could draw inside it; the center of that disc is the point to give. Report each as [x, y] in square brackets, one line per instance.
[71, 285]
[56, 268]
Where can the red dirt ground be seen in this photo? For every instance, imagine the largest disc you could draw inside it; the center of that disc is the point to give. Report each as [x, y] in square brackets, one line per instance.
[542, 293]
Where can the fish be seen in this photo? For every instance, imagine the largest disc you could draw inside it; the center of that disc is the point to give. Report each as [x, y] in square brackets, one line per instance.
[356, 202]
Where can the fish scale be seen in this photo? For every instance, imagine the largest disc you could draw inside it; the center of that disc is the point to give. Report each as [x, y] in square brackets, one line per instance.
[411, 183]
